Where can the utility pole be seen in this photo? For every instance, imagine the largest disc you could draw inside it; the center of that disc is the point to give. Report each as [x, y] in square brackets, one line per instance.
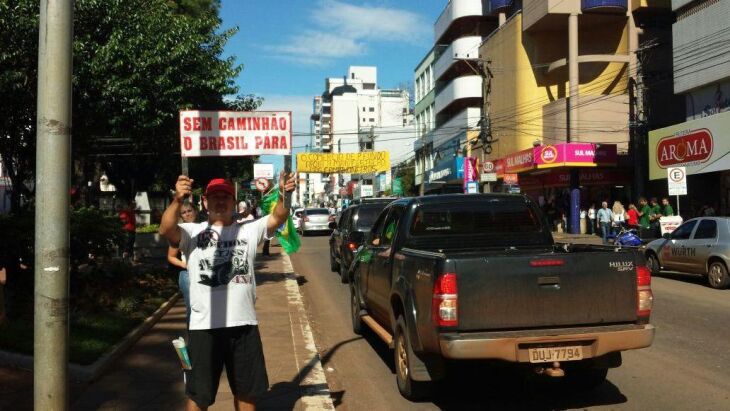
[485, 122]
[53, 171]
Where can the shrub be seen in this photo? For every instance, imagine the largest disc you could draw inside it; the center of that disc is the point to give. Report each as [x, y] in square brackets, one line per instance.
[152, 228]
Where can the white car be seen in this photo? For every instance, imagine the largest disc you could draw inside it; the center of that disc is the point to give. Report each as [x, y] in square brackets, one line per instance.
[315, 220]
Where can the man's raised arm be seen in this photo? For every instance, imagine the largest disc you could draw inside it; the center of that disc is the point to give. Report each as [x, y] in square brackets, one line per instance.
[287, 184]
[168, 225]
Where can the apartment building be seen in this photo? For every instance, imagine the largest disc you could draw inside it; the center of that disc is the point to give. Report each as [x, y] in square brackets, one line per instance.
[349, 105]
[449, 92]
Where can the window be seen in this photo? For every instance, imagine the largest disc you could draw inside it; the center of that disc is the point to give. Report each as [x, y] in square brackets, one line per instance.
[363, 109]
[372, 109]
[497, 218]
[682, 232]
[405, 111]
[391, 226]
[372, 120]
[368, 146]
[706, 230]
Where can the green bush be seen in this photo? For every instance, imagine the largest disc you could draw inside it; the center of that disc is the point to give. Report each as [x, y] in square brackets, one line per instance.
[152, 228]
[94, 232]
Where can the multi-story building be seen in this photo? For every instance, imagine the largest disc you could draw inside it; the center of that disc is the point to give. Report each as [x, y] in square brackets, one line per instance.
[701, 143]
[347, 106]
[449, 91]
[560, 88]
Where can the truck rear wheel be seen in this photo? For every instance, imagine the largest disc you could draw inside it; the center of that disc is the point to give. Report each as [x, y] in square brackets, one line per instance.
[410, 389]
[653, 263]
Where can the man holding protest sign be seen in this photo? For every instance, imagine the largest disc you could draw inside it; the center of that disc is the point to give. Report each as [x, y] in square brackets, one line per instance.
[223, 329]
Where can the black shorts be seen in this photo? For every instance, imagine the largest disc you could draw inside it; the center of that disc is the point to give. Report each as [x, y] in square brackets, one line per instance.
[239, 349]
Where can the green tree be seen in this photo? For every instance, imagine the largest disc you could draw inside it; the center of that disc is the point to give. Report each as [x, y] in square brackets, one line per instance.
[136, 64]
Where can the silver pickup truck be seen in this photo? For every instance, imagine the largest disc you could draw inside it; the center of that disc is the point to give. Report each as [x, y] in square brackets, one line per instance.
[699, 246]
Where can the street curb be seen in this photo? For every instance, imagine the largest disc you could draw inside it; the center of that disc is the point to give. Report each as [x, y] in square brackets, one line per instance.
[89, 373]
[315, 392]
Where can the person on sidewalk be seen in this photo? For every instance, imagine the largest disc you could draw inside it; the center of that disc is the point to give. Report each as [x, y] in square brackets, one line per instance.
[188, 214]
[667, 210]
[223, 329]
[129, 224]
[604, 217]
[592, 219]
[632, 217]
[619, 217]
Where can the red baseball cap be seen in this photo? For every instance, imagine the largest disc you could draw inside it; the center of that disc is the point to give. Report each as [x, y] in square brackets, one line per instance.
[218, 185]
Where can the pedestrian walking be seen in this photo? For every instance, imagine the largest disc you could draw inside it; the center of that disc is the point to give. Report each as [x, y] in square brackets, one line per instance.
[592, 219]
[605, 217]
[129, 225]
[223, 329]
[188, 214]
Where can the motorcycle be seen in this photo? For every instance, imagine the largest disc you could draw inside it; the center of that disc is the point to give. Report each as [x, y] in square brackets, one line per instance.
[626, 238]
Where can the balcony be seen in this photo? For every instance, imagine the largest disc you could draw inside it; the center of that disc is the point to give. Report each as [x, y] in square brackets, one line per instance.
[538, 15]
[604, 6]
[461, 88]
[457, 10]
[458, 49]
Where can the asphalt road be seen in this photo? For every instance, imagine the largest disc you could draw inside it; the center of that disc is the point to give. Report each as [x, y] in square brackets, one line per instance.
[688, 366]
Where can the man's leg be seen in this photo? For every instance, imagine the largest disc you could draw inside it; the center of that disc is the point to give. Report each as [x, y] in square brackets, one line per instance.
[246, 367]
[205, 348]
[244, 404]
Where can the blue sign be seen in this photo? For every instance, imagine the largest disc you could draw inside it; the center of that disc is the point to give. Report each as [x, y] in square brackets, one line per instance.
[449, 169]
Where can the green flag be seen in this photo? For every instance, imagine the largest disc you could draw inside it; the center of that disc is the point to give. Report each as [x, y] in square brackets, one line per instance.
[286, 234]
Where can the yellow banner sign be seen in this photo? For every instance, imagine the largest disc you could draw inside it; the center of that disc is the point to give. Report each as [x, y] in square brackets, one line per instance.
[354, 163]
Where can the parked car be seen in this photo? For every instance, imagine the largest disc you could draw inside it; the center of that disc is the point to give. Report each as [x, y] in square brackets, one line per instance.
[698, 246]
[315, 220]
[478, 277]
[297, 218]
[348, 233]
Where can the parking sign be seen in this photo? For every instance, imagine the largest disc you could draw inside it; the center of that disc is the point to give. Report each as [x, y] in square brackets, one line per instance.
[677, 181]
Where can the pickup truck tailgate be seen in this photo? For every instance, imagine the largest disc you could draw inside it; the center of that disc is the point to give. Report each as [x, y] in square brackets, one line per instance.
[530, 291]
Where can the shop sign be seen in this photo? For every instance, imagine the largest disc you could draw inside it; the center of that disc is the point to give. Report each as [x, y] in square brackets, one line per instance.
[587, 177]
[261, 170]
[488, 177]
[669, 224]
[701, 146]
[519, 161]
[451, 169]
[472, 187]
[470, 171]
[499, 167]
[511, 179]
[575, 155]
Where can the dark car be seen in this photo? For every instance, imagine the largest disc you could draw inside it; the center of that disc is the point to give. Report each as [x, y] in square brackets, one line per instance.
[349, 232]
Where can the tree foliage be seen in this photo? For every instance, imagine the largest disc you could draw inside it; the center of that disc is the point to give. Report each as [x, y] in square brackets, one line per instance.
[137, 63]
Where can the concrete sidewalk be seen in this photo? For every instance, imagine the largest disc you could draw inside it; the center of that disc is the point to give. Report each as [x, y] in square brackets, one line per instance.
[148, 377]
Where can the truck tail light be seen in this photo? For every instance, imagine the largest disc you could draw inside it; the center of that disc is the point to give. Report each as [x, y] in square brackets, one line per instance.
[444, 306]
[644, 296]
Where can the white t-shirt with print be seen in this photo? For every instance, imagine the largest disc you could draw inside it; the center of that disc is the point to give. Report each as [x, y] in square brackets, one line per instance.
[220, 264]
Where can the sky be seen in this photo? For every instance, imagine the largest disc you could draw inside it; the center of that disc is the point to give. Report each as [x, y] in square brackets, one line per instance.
[288, 47]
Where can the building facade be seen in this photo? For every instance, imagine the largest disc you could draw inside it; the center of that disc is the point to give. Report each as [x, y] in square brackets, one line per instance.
[349, 106]
[449, 92]
[701, 144]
